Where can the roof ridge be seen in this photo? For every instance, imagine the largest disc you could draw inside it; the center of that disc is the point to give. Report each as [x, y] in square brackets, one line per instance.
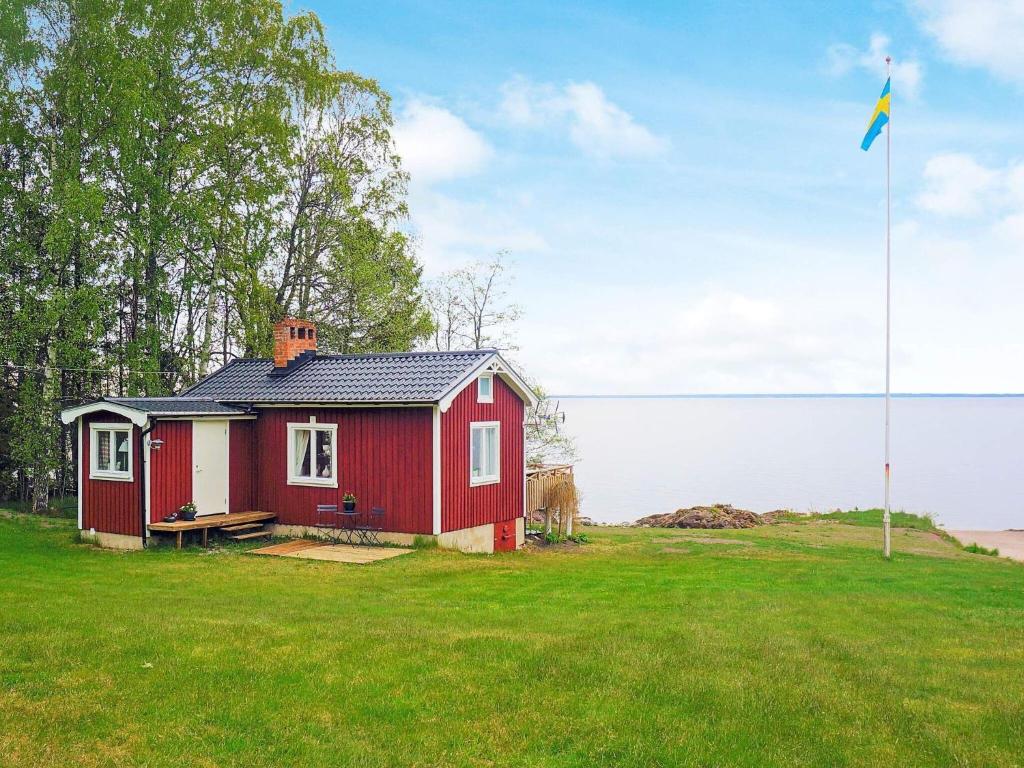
[198, 398]
[424, 376]
[365, 355]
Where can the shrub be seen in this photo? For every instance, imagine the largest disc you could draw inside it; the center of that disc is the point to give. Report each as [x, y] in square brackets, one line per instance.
[83, 537]
[977, 549]
[865, 517]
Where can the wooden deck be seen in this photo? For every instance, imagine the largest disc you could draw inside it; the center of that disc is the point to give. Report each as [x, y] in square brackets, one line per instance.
[206, 522]
[338, 553]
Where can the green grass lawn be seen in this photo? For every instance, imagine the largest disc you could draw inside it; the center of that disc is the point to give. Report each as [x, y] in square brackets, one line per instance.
[792, 644]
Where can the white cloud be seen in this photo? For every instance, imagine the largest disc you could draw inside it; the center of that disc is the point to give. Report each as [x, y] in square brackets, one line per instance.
[957, 185]
[843, 58]
[1011, 229]
[595, 124]
[982, 33]
[809, 324]
[437, 145]
[452, 232]
[666, 340]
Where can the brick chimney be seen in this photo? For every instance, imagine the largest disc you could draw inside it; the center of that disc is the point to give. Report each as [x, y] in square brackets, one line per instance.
[292, 337]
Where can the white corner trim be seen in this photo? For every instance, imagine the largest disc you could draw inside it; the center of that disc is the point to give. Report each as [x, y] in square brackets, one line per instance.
[136, 417]
[435, 454]
[317, 482]
[147, 465]
[81, 494]
[523, 470]
[227, 466]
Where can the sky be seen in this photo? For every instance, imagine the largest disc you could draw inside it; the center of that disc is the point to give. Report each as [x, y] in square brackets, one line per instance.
[681, 191]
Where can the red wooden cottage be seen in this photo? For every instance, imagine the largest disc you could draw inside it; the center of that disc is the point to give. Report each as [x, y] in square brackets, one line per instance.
[435, 439]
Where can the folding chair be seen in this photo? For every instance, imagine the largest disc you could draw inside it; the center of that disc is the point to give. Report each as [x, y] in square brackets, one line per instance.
[327, 519]
[375, 526]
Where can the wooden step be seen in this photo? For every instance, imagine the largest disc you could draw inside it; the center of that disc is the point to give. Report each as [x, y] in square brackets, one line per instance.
[242, 527]
[253, 535]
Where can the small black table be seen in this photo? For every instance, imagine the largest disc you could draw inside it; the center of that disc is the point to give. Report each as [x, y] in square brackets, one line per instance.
[350, 526]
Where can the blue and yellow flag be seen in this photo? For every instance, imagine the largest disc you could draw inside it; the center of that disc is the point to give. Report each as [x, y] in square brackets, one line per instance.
[880, 118]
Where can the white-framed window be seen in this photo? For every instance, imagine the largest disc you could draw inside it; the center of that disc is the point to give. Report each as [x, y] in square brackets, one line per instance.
[110, 452]
[313, 454]
[484, 452]
[485, 388]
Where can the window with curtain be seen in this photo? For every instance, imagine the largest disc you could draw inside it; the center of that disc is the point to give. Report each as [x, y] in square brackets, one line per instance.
[484, 452]
[111, 451]
[312, 454]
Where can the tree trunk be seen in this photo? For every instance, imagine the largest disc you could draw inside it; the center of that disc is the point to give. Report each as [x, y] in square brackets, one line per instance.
[40, 491]
[206, 351]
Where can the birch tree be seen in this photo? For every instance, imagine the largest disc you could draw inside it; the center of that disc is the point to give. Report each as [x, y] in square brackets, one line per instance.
[471, 307]
[174, 177]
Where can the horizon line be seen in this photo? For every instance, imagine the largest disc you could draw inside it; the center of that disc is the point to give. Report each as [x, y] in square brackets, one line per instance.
[782, 395]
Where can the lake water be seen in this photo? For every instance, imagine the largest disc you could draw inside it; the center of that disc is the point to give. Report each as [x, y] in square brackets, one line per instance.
[959, 458]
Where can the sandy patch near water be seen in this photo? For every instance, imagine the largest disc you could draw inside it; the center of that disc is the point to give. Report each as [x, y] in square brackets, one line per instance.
[1009, 543]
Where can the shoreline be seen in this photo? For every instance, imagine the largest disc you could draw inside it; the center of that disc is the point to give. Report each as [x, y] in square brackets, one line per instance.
[1010, 542]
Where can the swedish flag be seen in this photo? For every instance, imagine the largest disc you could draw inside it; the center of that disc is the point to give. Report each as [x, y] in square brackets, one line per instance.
[880, 118]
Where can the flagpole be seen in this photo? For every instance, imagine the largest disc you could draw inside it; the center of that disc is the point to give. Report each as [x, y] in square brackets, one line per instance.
[886, 533]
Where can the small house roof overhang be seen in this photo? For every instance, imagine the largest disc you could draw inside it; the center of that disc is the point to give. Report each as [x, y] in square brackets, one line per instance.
[139, 410]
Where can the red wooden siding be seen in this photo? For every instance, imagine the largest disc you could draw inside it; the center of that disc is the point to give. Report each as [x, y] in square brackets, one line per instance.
[384, 458]
[242, 466]
[170, 468]
[111, 506]
[462, 505]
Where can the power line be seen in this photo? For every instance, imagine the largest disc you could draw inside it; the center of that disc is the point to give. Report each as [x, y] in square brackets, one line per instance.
[81, 370]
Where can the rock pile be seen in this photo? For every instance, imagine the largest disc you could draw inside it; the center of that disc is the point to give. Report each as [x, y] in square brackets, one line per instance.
[715, 516]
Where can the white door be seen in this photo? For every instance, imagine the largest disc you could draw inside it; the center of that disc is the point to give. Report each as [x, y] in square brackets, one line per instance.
[210, 466]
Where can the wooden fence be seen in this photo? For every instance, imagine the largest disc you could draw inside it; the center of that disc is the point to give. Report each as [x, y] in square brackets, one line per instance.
[542, 484]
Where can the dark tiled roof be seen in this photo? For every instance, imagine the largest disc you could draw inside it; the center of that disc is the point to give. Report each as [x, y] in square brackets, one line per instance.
[402, 377]
[174, 405]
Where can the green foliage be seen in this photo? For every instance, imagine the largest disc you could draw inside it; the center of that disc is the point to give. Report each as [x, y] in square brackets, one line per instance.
[977, 549]
[82, 537]
[341, 260]
[65, 507]
[579, 538]
[547, 441]
[174, 177]
[866, 517]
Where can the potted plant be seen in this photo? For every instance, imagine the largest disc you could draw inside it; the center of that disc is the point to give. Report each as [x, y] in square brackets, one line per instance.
[188, 511]
[349, 500]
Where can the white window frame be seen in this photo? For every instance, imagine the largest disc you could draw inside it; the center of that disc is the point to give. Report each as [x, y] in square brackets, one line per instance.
[480, 396]
[95, 473]
[486, 479]
[320, 482]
